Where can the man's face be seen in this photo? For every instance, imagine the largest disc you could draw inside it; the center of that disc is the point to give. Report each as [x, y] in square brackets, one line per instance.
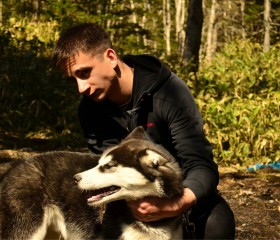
[95, 75]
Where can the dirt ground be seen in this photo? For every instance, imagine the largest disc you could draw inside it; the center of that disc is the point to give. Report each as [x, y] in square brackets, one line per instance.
[254, 198]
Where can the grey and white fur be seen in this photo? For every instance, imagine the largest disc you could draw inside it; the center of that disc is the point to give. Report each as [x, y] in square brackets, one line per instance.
[39, 192]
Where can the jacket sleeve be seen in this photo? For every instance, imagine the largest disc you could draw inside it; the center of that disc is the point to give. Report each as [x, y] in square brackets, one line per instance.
[192, 149]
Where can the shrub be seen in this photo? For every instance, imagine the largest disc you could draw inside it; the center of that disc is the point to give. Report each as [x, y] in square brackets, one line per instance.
[239, 100]
[34, 99]
[238, 95]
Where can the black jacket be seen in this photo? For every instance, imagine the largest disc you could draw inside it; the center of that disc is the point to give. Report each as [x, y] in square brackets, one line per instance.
[163, 104]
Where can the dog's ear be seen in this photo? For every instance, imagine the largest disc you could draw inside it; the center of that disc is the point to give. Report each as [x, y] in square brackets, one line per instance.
[151, 158]
[138, 133]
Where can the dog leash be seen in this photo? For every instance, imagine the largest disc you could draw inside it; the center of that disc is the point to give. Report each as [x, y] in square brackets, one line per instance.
[189, 225]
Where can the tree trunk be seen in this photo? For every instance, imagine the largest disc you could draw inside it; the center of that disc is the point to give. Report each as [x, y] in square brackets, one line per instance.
[147, 8]
[1, 13]
[109, 21]
[210, 44]
[267, 8]
[134, 16]
[36, 7]
[167, 25]
[193, 35]
[242, 8]
[180, 25]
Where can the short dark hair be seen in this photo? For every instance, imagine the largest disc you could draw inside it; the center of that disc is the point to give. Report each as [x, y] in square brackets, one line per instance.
[85, 37]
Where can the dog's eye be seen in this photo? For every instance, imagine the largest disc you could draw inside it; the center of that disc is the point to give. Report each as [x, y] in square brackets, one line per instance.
[109, 165]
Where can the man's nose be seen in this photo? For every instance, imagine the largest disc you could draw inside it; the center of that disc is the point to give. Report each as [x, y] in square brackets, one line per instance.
[83, 86]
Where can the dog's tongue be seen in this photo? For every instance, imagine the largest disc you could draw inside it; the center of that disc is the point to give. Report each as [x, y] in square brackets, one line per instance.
[96, 195]
[94, 198]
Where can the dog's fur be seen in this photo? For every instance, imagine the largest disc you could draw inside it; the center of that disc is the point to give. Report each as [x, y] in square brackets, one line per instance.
[40, 191]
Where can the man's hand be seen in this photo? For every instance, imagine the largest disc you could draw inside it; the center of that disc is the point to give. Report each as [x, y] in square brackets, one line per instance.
[151, 209]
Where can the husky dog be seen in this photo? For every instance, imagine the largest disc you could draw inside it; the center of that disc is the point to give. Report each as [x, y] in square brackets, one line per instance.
[134, 169]
[41, 192]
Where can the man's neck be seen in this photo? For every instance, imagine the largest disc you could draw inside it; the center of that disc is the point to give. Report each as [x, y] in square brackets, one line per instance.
[124, 84]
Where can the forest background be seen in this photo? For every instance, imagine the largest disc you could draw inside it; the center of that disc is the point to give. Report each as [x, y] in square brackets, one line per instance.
[235, 85]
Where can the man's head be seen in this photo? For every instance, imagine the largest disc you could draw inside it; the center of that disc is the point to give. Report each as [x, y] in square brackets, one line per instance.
[85, 52]
[88, 38]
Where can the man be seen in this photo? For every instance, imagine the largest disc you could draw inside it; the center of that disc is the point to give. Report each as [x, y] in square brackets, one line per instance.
[122, 93]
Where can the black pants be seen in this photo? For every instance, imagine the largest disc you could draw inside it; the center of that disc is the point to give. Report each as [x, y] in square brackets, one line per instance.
[212, 219]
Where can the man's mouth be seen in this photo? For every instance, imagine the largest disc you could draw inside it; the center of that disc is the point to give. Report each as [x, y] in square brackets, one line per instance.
[95, 95]
[98, 194]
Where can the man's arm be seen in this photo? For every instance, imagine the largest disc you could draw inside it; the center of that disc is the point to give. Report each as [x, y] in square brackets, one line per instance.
[193, 152]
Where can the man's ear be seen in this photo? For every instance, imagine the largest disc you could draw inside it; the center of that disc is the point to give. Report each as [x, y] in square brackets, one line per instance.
[111, 55]
[138, 133]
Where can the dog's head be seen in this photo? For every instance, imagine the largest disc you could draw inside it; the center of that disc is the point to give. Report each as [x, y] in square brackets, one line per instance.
[133, 169]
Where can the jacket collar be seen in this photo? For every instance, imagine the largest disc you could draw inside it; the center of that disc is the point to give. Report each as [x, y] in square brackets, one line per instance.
[149, 75]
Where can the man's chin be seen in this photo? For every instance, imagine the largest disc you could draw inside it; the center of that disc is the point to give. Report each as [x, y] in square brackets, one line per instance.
[97, 97]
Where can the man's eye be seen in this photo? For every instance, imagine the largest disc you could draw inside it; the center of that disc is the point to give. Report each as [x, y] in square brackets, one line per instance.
[83, 73]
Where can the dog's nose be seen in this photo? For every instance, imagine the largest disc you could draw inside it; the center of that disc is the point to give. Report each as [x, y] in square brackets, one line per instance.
[77, 177]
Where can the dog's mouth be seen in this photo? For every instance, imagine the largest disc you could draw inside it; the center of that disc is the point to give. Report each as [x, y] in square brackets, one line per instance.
[98, 194]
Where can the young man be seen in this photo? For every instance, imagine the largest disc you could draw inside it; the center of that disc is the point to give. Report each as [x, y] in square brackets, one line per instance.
[122, 93]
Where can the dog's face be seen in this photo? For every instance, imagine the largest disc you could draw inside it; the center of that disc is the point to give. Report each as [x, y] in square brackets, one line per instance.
[131, 170]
